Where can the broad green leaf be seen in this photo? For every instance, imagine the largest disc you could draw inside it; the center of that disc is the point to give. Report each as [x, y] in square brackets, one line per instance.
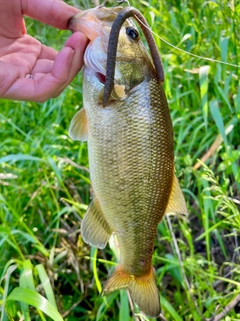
[36, 300]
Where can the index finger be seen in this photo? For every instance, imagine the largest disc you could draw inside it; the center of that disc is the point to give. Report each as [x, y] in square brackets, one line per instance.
[53, 12]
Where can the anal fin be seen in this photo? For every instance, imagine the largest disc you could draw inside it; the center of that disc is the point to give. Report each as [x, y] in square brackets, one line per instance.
[176, 202]
[95, 229]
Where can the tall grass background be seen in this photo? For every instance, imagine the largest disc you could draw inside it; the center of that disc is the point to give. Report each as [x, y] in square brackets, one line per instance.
[46, 271]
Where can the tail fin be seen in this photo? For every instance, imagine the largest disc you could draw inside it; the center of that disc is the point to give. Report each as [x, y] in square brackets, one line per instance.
[143, 290]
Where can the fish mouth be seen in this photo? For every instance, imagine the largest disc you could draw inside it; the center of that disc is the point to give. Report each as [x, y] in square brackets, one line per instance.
[95, 59]
[95, 24]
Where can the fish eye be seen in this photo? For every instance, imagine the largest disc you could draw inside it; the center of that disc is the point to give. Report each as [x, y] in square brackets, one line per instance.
[132, 33]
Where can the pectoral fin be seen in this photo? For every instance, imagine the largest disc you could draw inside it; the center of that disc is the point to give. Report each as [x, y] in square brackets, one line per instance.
[79, 128]
[95, 229]
[176, 203]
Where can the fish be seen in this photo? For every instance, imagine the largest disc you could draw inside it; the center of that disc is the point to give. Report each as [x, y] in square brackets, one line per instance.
[126, 122]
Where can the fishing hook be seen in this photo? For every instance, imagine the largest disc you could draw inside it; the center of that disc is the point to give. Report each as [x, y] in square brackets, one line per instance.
[112, 48]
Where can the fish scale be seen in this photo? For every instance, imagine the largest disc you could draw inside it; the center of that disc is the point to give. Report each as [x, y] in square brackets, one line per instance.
[131, 157]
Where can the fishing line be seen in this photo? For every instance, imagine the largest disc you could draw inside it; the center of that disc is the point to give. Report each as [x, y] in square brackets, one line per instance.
[123, 1]
[186, 52]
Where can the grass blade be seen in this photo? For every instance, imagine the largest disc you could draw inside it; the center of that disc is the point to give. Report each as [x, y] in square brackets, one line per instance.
[36, 300]
[94, 252]
[203, 79]
[7, 281]
[19, 157]
[167, 306]
[26, 281]
[224, 47]
[46, 284]
[124, 307]
[214, 108]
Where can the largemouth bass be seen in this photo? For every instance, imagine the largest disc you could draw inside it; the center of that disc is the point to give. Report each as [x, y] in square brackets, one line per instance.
[130, 146]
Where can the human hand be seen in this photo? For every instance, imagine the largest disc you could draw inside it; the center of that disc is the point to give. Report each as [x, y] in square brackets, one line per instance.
[30, 70]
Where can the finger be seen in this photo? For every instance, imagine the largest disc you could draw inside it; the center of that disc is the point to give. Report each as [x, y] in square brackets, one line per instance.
[43, 66]
[11, 19]
[67, 64]
[48, 53]
[76, 42]
[55, 13]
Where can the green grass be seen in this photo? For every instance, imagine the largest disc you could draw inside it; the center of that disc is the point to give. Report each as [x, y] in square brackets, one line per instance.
[46, 271]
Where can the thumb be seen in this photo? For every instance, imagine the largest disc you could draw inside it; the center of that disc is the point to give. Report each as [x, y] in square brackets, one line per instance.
[69, 60]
